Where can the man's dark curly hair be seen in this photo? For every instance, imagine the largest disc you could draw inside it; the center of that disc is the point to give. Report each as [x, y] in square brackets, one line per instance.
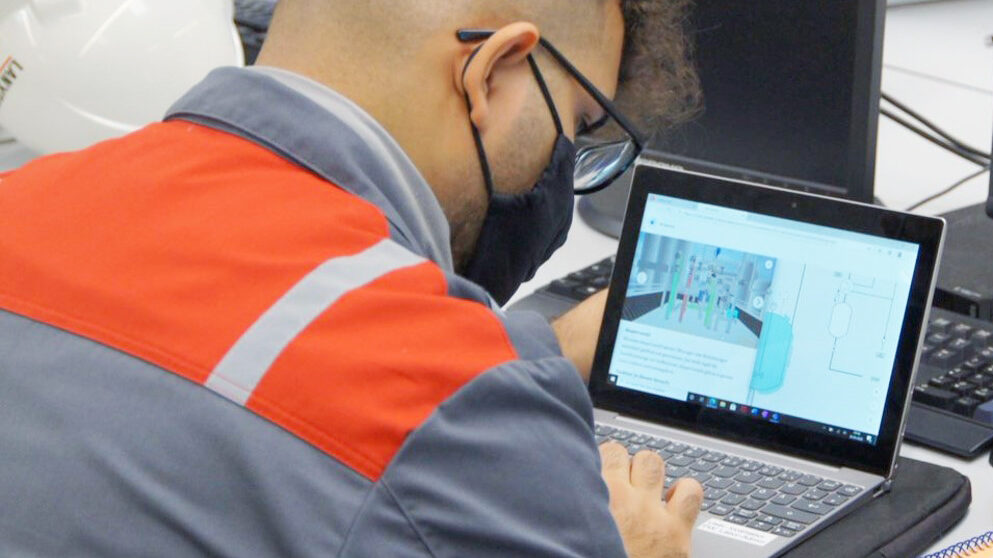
[658, 84]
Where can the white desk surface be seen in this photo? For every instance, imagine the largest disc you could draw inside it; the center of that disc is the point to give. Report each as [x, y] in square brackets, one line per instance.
[937, 59]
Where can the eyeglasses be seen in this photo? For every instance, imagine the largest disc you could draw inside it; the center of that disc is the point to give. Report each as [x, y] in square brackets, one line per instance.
[598, 164]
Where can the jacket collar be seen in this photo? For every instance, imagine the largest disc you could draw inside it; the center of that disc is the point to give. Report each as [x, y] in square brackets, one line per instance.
[322, 131]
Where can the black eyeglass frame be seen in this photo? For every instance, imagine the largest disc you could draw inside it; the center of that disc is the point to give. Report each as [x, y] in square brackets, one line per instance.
[637, 137]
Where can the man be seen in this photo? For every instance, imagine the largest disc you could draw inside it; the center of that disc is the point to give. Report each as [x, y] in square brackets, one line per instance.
[243, 331]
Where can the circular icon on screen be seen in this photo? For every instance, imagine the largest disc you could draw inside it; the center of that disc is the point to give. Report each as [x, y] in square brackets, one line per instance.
[758, 302]
[768, 264]
[642, 278]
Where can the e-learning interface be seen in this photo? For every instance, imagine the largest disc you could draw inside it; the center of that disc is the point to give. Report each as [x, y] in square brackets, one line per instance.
[763, 313]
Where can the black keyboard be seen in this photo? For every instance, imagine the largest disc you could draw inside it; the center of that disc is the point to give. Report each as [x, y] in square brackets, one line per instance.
[744, 491]
[252, 20]
[953, 398]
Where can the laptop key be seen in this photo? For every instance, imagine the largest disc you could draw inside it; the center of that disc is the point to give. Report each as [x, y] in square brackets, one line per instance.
[634, 448]
[748, 477]
[725, 471]
[742, 488]
[737, 519]
[849, 490]
[763, 494]
[658, 443]
[790, 476]
[793, 489]
[746, 513]
[719, 509]
[760, 525]
[703, 466]
[751, 504]
[771, 483]
[695, 453]
[784, 499]
[620, 435]
[706, 505]
[639, 439]
[835, 500]
[770, 470]
[604, 430]
[769, 519]
[783, 532]
[732, 500]
[815, 494]
[732, 461]
[677, 472]
[680, 461]
[809, 480]
[676, 448]
[713, 456]
[829, 485]
[794, 526]
[701, 478]
[790, 514]
[819, 508]
[713, 493]
[751, 466]
[720, 483]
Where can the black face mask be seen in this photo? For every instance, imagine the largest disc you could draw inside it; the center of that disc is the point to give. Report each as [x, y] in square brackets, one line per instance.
[521, 231]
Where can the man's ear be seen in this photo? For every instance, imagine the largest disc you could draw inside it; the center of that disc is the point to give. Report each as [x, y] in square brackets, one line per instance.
[507, 46]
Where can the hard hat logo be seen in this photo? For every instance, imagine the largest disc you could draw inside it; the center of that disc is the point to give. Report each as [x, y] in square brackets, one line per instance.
[8, 74]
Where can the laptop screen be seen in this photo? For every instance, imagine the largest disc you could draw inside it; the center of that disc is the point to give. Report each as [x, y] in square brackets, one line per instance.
[770, 318]
[782, 320]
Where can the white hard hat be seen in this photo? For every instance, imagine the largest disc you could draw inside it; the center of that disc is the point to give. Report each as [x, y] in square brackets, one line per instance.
[74, 72]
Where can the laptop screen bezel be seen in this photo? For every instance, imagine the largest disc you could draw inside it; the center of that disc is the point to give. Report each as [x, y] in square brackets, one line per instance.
[926, 232]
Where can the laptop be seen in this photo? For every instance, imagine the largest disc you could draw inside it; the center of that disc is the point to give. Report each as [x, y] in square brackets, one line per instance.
[764, 342]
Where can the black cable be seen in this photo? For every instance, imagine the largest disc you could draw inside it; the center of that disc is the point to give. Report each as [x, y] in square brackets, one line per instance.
[951, 139]
[933, 197]
[981, 161]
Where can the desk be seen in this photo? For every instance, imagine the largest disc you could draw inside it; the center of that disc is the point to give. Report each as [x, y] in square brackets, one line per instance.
[936, 61]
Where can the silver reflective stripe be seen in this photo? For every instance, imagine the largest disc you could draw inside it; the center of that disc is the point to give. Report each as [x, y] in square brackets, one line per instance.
[239, 372]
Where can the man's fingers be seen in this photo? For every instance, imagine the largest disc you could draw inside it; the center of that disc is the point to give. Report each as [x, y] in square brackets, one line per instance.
[684, 500]
[615, 463]
[648, 474]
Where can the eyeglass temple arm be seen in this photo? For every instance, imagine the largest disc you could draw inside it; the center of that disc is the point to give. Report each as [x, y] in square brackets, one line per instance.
[469, 35]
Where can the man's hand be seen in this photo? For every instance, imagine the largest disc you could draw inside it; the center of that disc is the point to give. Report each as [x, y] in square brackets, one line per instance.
[650, 528]
[578, 330]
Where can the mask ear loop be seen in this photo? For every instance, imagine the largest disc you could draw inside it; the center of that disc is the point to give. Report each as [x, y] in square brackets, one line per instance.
[546, 94]
[483, 161]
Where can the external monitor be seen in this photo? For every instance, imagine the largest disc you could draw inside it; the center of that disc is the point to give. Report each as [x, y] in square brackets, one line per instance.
[791, 98]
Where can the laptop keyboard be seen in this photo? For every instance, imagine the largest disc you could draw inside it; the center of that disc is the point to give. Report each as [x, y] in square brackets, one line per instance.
[956, 371]
[759, 495]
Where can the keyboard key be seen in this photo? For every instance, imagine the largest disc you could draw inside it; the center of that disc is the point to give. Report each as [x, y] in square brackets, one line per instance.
[963, 388]
[965, 406]
[771, 483]
[760, 525]
[943, 358]
[703, 466]
[706, 505]
[639, 439]
[634, 448]
[849, 490]
[783, 532]
[720, 483]
[713, 456]
[961, 331]
[563, 287]
[751, 466]
[983, 394]
[658, 443]
[790, 476]
[790, 514]
[819, 508]
[751, 504]
[701, 478]
[763, 494]
[835, 500]
[784, 499]
[748, 477]
[938, 339]
[620, 435]
[829, 485]
[981, 380]
[815, 494]
[676, 448]
[732, 500]
[939, 325]
[746, 513]
[769, 519]
[725, 471]
[793, 489]
[809, 480]
[935, 397]
[770, 470]
[958, 374]
[680, 461]
[713, 494]
[737, 519]
[677, 472]
[604, 430]
[719, 509]
[742, 488]
[732, 461]
[695, 453]
[943, 382]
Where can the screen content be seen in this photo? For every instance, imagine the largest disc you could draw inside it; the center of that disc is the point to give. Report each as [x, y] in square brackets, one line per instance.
[780, 320]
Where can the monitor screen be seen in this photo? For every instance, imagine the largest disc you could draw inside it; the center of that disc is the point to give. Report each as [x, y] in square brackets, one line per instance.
[790, 98]
[770, 318]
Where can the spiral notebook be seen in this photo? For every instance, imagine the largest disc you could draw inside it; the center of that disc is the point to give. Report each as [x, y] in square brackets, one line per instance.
[977, 547]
